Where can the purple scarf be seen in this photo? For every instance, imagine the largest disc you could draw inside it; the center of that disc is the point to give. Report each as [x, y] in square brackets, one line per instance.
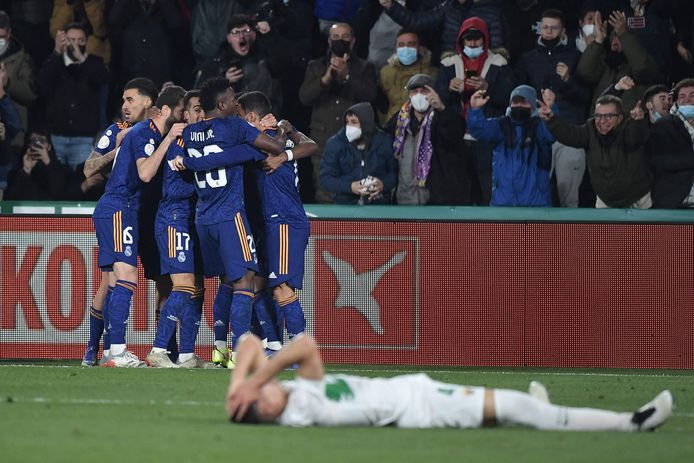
[423, 163]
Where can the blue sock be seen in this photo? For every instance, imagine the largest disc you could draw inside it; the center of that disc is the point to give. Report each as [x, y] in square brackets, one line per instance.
[240, 314]
[220, 312]
[104, 313]
[96, 327]
[170, 315]
[190, 322]
[119, 309]
[265, 317]
[293, 315]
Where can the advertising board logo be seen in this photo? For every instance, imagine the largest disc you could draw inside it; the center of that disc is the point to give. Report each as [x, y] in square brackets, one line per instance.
[366, 292]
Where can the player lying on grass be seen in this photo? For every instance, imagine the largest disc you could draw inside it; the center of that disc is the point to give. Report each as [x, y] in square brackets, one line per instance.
[408, 401]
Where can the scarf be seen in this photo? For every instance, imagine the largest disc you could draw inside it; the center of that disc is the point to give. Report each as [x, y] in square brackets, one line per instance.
[423, 162]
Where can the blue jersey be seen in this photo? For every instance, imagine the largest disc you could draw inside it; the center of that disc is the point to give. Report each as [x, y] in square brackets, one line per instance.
[212, 146]
[279, 193]
[178, 189]
[107, 142]
[124, 185]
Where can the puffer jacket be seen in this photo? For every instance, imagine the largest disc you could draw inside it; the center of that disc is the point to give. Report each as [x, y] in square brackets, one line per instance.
[394, 77]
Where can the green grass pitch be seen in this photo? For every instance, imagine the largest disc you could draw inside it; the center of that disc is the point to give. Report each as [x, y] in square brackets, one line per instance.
[62, 412]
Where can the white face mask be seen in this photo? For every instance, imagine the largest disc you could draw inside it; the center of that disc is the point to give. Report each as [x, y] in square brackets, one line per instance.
[419, 102]
[588, 29]
[4, 43]
[352, 133]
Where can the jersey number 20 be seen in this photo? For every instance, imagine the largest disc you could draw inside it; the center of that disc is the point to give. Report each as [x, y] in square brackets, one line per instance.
[209, 178]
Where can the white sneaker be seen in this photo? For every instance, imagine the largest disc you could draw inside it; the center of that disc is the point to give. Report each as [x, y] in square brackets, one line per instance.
[193, 362]
[126, 359]
[159, 360]
[539, 391]
[654, 413]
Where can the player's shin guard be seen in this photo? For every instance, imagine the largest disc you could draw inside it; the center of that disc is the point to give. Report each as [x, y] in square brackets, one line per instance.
[513, 407]
[293, 315]
[119, 309]
[220, 312]
[105, 313]
[96, 327]
[266, 317]
[171, 314]
[240, 316]
[190, 322]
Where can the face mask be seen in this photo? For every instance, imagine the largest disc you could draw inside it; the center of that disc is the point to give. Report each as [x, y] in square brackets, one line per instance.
[551, 43]
[520, 114]
[473, 53]
[614, 58]
[352, 133]
[419, 102]
[588, 29]
[687, 111]
[407, 55]
[4, 43]
[339, 47]
[655, 115]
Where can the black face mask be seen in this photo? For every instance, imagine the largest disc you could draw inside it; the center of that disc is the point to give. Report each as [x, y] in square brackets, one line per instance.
[339, 47]
[551, 43]
[519, 114]
[614, 58]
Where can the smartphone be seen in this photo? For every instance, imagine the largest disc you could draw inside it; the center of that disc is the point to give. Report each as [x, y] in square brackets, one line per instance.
[36, 144]
[236, 64]
[470, 73]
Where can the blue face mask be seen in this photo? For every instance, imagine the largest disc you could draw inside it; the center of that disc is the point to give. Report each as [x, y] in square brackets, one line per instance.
[656, 116]
[687, 111]
[473, 53]
[407, 55]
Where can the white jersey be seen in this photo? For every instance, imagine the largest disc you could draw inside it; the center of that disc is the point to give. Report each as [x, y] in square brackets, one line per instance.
[408, 401]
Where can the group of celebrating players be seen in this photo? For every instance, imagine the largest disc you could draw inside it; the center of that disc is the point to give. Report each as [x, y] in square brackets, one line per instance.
[183, 166]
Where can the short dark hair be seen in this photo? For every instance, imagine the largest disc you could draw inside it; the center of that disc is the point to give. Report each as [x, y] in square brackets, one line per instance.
[407, 30]
[239, 20]
[610, 99]
[171, 96]
[653, 90]
[190, 94]
[4, 20]
[251, 417]
[144, 87]
[256, 102]
[212, 90]
[688, 82]
[554, 14]
[75, 25]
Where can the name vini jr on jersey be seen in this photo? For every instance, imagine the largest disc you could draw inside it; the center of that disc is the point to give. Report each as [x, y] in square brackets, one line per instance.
[202, 136]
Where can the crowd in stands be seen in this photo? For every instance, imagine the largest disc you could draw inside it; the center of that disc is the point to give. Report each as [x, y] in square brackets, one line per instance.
[443, 102]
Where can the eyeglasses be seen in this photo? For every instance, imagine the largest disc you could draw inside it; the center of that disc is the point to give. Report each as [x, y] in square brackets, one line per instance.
[605, 116]
[248, 31]
[547, 27]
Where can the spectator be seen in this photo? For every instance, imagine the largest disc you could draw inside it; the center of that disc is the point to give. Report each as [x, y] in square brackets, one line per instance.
[428, 134]
[240, 62]
[448, 18]
[19, 78]
[586, 29]
[71, 80]
[551, 64]
[10, 126]
[656, 99]
[601, 67]
[522, 148]
[410, 58]
[30, 26]
[476, 67]
[41, 177]
[671, 151]
[91, 14]
[615, 151]
[358, 166]
[143, 33]
[81, 188]
[332, 84]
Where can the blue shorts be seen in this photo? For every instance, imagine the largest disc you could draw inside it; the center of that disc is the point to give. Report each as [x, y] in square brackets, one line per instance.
[177, 243]
[285, 246]
[227, 248]
[118, 238]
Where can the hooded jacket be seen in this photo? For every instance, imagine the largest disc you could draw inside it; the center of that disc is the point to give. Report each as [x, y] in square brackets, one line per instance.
[343, 163]
[495, 70]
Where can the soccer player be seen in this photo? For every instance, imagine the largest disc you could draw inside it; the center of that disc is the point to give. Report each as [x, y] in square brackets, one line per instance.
[179, 251]
[285, 229]
[217, 147]
[408, 401]
[139, 95]
[116, 214]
